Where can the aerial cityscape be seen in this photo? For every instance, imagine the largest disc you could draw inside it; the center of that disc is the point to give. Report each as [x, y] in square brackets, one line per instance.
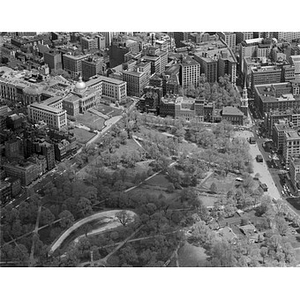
[150, 149]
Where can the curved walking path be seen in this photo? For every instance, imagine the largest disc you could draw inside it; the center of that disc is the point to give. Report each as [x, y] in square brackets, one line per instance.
[105, 214]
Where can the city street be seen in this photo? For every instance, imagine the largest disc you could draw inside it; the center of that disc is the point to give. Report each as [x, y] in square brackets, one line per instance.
[261, 168]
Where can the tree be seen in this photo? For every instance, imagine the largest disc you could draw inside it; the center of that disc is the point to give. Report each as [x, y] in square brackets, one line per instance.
[6, 253]
[170, 188]
[123, 137]
[213, 188]
[124, 217]
[84, 206]
[67, 219]
[281, 225]
[46, 217]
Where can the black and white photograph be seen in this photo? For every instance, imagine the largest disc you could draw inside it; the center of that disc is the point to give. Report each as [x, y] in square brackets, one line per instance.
[163, 148]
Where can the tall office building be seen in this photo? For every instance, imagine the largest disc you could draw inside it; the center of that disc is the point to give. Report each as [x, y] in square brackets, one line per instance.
[108, 38]
[287, 36]
[209, 66]
[92, 67]
[53, 59]
[189, 72]
[229, 38]
[242, 36]
[89, 43]
[295, 61]
[73, 64]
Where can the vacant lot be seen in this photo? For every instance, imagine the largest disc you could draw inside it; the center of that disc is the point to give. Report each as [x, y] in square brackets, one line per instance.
[90, 120]
[82, 135]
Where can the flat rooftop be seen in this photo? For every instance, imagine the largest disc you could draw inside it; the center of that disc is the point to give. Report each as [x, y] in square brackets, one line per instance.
[292, 135]
[46, 108]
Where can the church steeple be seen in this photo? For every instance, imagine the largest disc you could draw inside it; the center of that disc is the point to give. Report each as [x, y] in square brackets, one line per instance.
[245, 94]
[244, 99]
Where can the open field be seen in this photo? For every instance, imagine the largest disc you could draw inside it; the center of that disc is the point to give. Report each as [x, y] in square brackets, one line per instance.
[90, 120]
[82, 135]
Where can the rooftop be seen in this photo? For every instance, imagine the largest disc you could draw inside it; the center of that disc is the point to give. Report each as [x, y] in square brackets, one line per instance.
[292, 135]
[46, 107]
[231, 110]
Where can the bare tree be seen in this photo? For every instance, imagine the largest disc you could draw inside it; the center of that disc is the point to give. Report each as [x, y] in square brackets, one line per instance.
[124, 217]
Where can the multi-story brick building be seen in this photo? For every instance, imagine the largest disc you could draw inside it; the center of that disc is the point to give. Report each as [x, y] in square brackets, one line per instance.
[277, 96]
[265, 75]
[27, 172]
[291, 145]
[233, 115]
[92, 67]
[136, 82]
[295, 171]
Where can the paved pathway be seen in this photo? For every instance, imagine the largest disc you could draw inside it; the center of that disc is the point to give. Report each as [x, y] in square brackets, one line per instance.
[105, 214]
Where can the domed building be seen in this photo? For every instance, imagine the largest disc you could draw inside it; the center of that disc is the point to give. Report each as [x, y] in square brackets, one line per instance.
[31, 94]
[80, 99]
[80, 86]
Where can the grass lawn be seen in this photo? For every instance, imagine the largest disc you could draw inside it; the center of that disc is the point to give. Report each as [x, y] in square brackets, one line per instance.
[145, 189]
[108, 110]
[82, 135]
[159, 180]
[223, 184]
[90, 120]
[208, 200]
[130, 146]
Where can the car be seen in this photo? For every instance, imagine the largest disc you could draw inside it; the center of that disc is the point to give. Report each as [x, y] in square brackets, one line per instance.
[259, 158]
